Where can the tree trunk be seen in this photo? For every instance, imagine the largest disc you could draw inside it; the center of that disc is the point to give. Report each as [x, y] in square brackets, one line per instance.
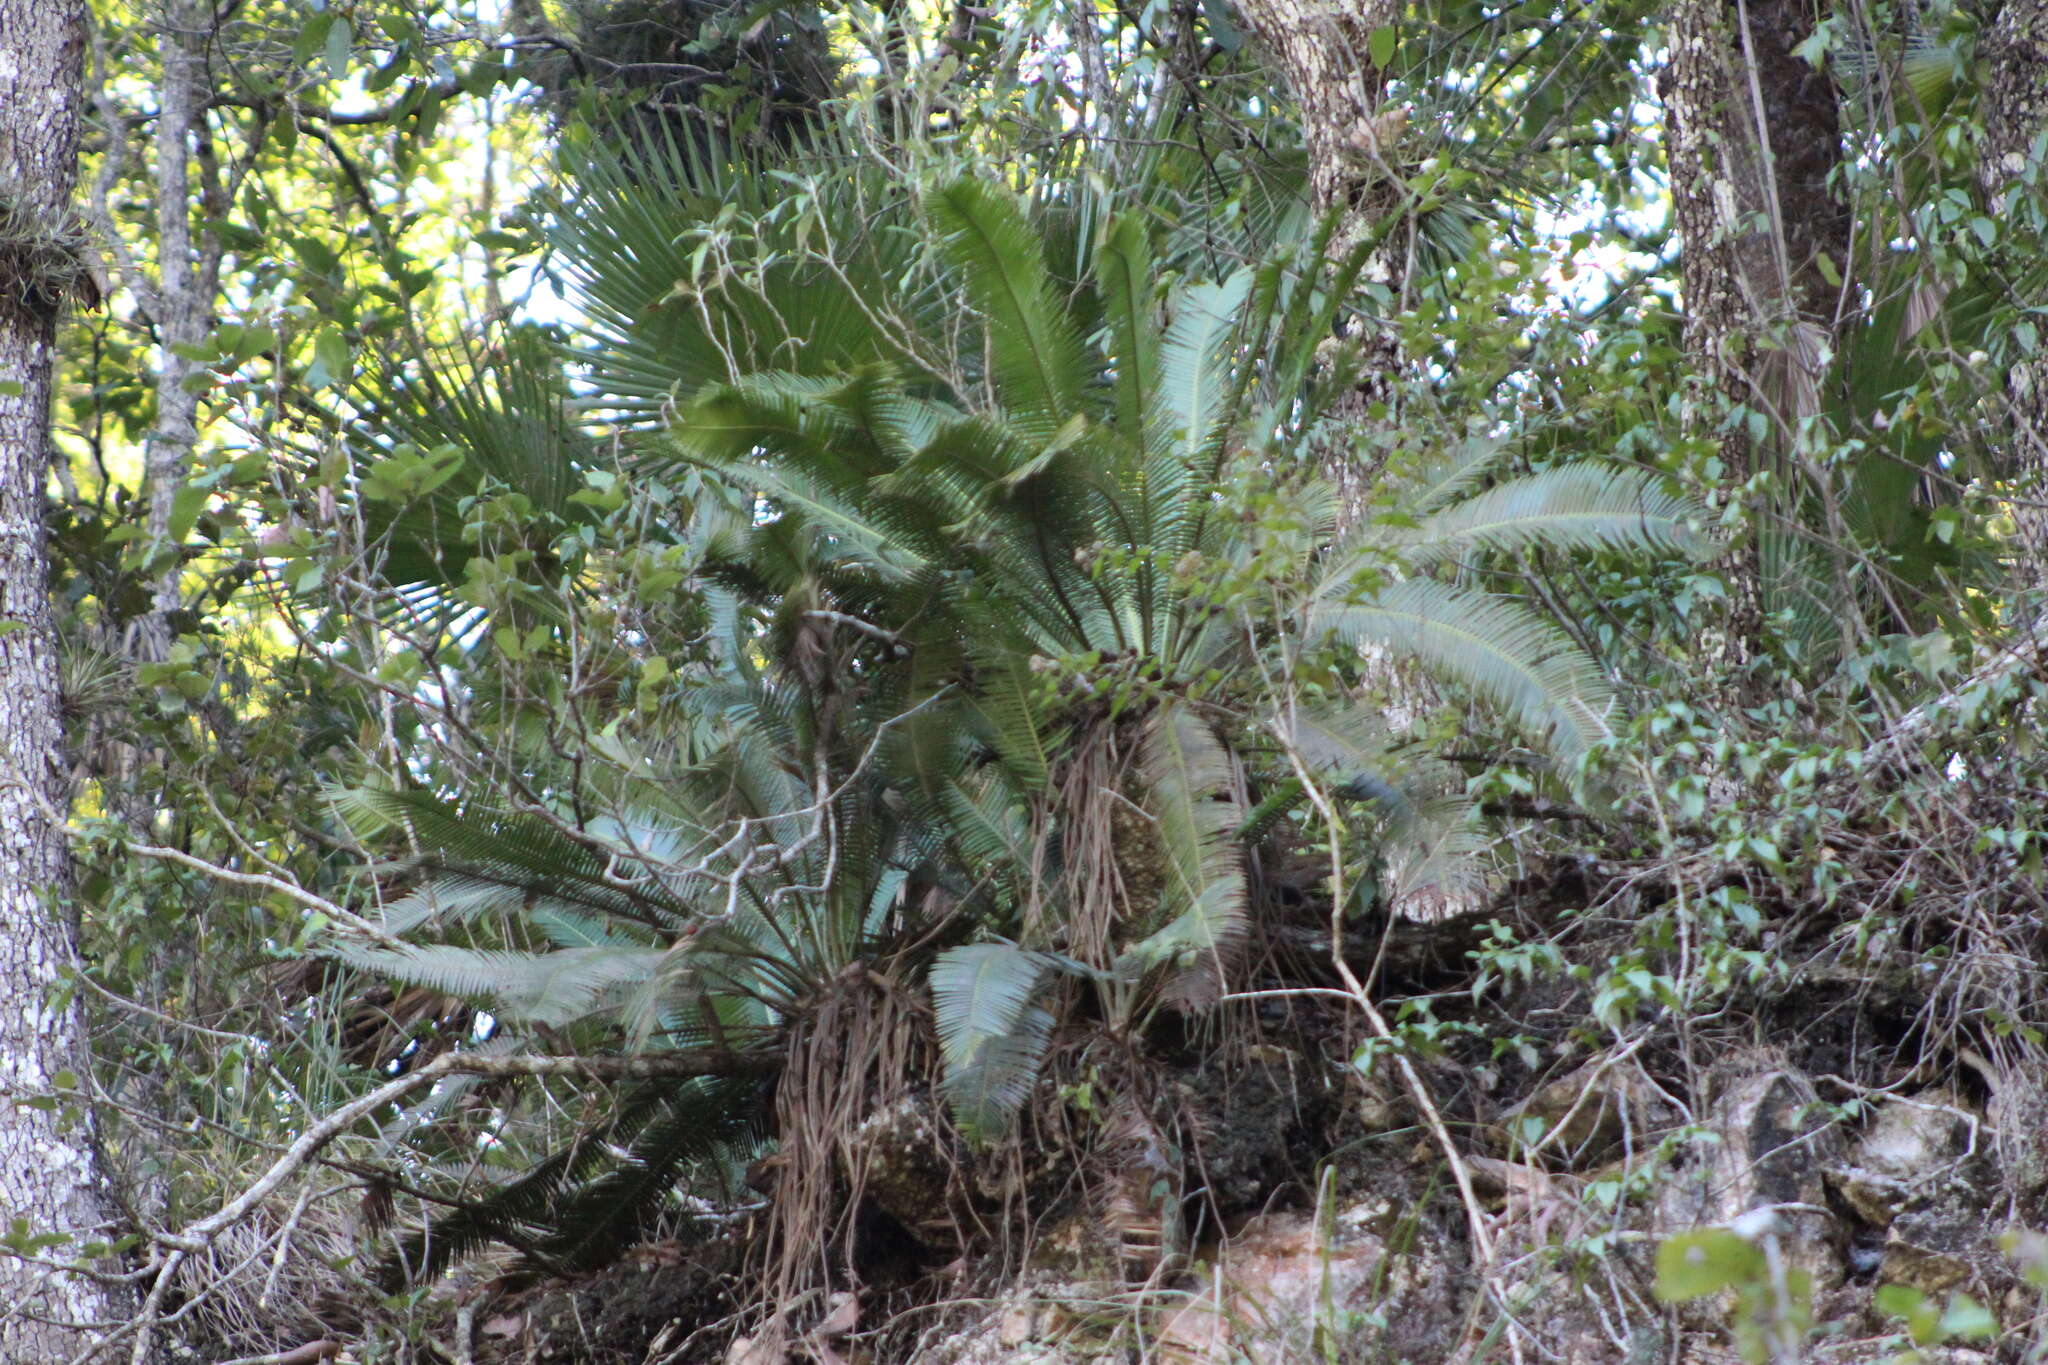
[182, 307]
[48, 1171]
[1322, 49]
[1752, 133]
[2016, 116]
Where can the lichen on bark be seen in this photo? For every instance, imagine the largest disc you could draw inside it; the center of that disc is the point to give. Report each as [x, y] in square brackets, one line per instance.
[48, 1175]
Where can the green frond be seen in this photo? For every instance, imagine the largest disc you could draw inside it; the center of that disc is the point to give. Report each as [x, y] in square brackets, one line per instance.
[517, 1209]
[1193, 790]
[985, 823]
[552, 989]
[1008, 701]
[1423, 486]
[1493, 646]
[576, 1207]
[576, 930]
[1123, 275]
[424, 441]
[992, 1033]
[709, 1121]
[1194, 369]
[1036, 354]
[656, 320]
[966, 466]
[480, 861]
[1351, 746]
[1436, 863]
[1582, 506]
[861, 528]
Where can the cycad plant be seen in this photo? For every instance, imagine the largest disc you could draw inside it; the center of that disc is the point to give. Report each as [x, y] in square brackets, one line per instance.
[750, 905]
[1051, 553]
[988, 709]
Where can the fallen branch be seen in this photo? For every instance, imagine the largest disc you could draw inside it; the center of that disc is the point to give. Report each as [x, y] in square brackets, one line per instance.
[310, 1354]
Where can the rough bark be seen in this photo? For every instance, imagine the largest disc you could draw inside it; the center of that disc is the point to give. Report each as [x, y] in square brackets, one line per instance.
[2016, 88]
[48, 1174]
[1752, 133]
[2015, 117]
[1322, 50]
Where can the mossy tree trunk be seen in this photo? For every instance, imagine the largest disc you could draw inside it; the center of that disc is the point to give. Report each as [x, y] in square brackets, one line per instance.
[1322, 50]
[181, 304]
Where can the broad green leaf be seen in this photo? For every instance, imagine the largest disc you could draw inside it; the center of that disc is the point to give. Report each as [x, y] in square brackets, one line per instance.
[1693, 1265]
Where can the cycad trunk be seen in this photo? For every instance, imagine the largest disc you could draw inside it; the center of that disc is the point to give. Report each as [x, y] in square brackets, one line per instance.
[48, 1176]
[2016, 116]
[1752, 133]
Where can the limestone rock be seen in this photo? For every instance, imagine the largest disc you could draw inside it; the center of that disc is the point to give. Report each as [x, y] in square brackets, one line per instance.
[1278, 1284]
[1581, 1117]
[1774, 1141]
[1910, 1142]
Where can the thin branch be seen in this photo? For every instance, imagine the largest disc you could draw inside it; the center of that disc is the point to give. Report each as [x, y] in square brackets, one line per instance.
[642, 1067]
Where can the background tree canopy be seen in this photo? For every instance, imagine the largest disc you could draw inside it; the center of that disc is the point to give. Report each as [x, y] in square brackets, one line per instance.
[1208, 682]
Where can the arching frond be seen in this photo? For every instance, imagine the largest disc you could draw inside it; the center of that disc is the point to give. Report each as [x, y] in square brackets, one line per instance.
[553, 989]
[1193, 791]
[992, 1031]
[1436, 863]
[1581, 506]
[1422, 486]
[1194, 376]
[1123, 275]
[1493, 646]
[658, 315]
[575, 1207]
[1035, 351]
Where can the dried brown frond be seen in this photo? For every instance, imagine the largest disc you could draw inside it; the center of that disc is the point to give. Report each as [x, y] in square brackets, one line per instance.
[859, 1056]
[1109, 852]
[283, 1277]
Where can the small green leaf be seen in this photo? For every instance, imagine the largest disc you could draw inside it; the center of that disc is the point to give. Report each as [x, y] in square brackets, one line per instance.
[331, 365]
[311, 37]
[1381, 46]
[340, 38]
[1965, 1317]
[1221, 26]
[314, 254]
[481, 77]
[185, 508]
[1904, 1301]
